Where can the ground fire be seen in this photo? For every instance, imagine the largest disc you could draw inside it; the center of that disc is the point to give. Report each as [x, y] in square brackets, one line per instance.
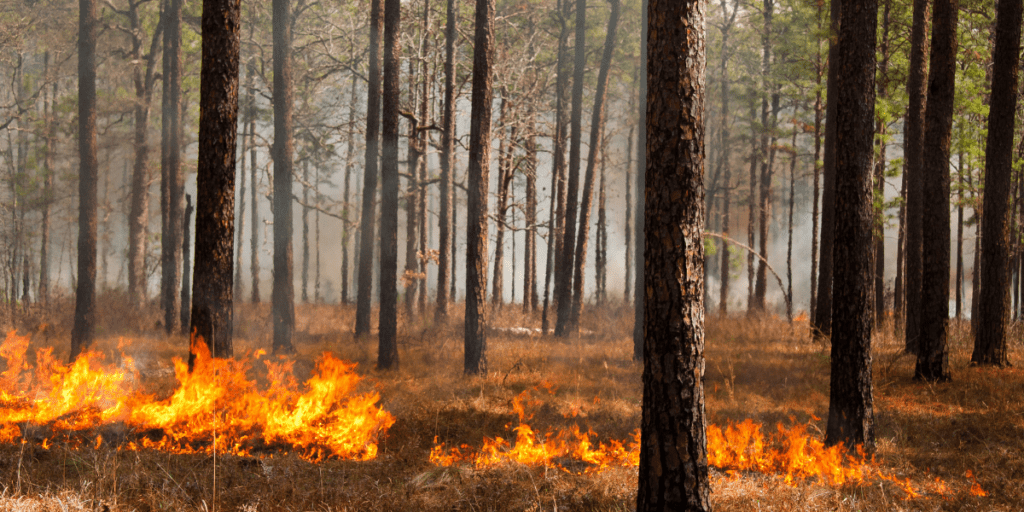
[216, 408]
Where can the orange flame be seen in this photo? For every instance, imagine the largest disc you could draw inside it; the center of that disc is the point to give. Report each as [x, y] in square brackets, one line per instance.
[216, 407]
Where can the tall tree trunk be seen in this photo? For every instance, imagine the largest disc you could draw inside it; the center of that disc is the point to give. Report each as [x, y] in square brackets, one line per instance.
[504, 182]
[364, 293]
[752, 206]
[628, 226]
[211, 322]
[601, 253]
[283, 291]
[556, 228]
[445, 270]
[530, 249]
[412, 207]
[172, 255]
[959, 237]
[933, 350]
[879, 173]
[49, 111]
[85, 292]
[723, 159]
[899, 287]
[789, 238]
[346, 230]
[423, 139]
[766, 156]
[823, 297]
[990, 344]
[387, 346]
[304, 278]
[596, 125]
[914, 168]
[475, 337]
[241, 190]
[254, 245]
[564, 279]
[851, 412]
[673, 440]
[819, 69]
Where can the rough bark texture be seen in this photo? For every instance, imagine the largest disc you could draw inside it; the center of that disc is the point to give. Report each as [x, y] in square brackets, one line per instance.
[563, 279]
[673, 441]
[283, 290]
[172, 254]
[211, 321]
[475, 336]
[823, 296]
[445, 246]
[596, 124]
[364, 293]
[933, 350]
[990, 344]
[85, 293]
[913, 155]
[387, 343]
[850, 415]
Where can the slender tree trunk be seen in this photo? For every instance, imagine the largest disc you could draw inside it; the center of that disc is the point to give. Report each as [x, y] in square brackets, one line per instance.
[639, 283]
[752, 207]
[879, 173]
[85, 292]
[241, 193]
[504, 182]
[723, 159]
[478, 177]
[186, 267]
[601, 254]
[933, 350]
[823, 297]
[628, 226]
[445, 270]
[172, 255]
[851, 412]
[387, 347]
[283, 292]
[254, 244]
[959, 237]
[411, 205]
[364, 294]
[556, 235]
[211, 322]
[990, 343]
[564, 279]
[49, 111]
[899, 288]
[346, 231]
[914, 155]
[423, 138]
[596, 125]
[673, 440]
[530, 249]
[789, 238]
[819, 68]
[767, 160]
[304, 278]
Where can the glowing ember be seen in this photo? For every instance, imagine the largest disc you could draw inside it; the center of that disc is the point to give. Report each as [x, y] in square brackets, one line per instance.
[216, 407]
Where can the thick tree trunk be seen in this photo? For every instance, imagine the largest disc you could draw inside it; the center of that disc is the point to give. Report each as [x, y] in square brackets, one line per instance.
[364, 293]
[211, 322]
[596, 126]
[990, 343]
[851, 416]
[387, 346]
[85, 292]
[475, 336]
[914, 169]
[445, 263]
[172, 255]
[673, 441]
[933, 350]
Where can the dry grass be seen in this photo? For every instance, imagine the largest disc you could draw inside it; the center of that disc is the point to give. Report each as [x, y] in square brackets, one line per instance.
[763, 369]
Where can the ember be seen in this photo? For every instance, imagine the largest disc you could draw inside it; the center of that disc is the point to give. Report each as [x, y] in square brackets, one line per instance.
[214, 408]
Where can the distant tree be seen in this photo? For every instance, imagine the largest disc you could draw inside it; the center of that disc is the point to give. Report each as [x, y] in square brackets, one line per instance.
[823, 295]
[914, 169]
[475, 337]
[346, 233]
[211, 321]
[851, 416]
[639, 284]
[723, 159]
[85, 294]
[445, 245]
[283, 291]
[933, 350]
[366, 223]
[673, 441]
[387, 354]
[990, 343]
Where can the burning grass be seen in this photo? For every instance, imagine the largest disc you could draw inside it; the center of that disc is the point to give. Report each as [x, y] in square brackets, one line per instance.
[571, 405]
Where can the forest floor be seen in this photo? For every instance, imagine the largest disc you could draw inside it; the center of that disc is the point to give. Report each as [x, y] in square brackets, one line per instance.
[942, 439]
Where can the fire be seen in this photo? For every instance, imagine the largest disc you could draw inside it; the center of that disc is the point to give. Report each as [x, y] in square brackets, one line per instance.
[214, 408]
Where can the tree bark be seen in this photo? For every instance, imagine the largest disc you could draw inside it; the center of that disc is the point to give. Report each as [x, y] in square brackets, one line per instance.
[933, 350]
[364, 293]
[823, 296]
[172, 255]
[49, 111]
[766, 159]
[85, 293]
[879, 172]
[914, 169]
[504, 183]
[851, 414]
[673, 441]
[185, 294]
[475, 336]
[387, 347]
[304, 277]
[723, 159]
[211, 322]
[283, 291]
[254, 245]
[990, 343]
[819, 69]
[639, 282]
[346, 231]
[530, 249]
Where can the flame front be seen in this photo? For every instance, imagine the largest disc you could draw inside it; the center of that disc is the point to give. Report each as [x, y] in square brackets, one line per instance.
[216, 407]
